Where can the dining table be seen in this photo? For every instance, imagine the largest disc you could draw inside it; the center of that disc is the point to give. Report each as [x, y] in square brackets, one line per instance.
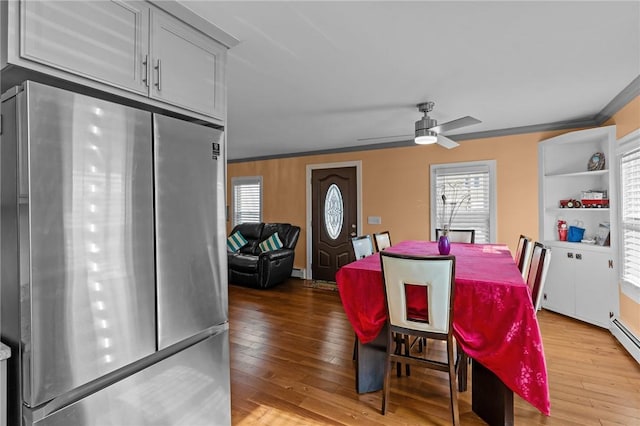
[494, 323]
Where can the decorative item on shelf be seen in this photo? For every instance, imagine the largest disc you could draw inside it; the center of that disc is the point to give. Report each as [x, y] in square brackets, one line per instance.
[453, 204]
[596, 162]
[570, 204]
[595, 198]
[562, 230]
[603, 236]
[576, 232]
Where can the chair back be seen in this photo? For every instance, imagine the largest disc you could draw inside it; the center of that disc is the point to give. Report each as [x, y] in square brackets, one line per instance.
[433, 273]
[362, 246]
[382, 240]
[540, 258]
[458, 235]
[523, 254]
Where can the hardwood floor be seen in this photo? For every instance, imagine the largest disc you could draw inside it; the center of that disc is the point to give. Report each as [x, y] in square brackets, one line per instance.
[291, 364]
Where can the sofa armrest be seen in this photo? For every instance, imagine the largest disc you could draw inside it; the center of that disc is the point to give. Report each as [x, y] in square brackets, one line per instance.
[274, 267]
[276, 254]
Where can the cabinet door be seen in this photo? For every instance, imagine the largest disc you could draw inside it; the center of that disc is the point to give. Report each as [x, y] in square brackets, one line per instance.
[559, 287]
[595, 285]
[188, 66]
[102, 40]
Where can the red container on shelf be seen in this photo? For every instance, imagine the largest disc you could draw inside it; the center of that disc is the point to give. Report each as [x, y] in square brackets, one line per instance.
[562, 230]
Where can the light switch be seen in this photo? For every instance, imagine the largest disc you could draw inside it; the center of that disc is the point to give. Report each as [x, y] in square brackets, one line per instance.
[374, 220]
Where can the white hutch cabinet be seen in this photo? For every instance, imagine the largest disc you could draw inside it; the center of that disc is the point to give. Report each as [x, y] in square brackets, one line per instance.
[581, 281]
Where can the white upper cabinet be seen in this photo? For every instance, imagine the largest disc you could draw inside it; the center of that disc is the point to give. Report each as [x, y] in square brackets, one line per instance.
[101, 40]
[160, 54]
[187, 67]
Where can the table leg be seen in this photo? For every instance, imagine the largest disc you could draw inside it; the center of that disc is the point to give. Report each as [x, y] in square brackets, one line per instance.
[491, 399]
[370, 360]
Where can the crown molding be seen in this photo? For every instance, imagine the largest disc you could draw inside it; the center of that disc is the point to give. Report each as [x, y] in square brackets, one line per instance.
[628, 94]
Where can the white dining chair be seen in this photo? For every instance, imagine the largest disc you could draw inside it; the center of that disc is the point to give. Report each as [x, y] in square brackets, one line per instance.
[382, 240]
[537, 274]
[523, 254]
[362, 246]
[458, 235]
[436, 274]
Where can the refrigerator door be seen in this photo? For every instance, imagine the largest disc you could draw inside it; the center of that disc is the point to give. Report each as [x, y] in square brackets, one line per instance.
[190, 229]
[85, 180]
[190, 388]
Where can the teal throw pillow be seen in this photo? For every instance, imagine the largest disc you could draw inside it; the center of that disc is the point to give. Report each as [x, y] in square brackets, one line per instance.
[236, 241]
[271, 243]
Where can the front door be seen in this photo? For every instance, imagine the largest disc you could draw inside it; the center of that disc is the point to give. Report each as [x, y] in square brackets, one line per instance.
[334, 220]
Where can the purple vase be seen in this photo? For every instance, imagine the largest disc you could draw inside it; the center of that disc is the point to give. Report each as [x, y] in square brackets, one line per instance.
[443, 245]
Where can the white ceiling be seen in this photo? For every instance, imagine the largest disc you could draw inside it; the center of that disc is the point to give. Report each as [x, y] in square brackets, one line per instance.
[328, 75]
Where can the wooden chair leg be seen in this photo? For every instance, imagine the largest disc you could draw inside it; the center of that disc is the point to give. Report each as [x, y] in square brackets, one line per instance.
[386, 383]
[453, 390]
[407, 349]
[397, 350]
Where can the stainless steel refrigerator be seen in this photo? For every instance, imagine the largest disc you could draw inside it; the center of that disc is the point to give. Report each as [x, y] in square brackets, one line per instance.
[114, 282]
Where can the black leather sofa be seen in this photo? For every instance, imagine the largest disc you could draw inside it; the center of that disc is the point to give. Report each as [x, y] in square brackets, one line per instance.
[251, 267]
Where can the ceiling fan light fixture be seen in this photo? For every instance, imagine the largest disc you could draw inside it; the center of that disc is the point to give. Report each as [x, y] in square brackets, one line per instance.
[425, 137]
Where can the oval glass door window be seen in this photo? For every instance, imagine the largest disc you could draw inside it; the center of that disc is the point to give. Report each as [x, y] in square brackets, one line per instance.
[333, 211]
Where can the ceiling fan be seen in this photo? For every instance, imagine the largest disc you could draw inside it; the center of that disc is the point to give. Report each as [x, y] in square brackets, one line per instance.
[428, 131]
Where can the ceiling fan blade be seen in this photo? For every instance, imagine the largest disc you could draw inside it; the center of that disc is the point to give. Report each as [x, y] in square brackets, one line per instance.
[446, 142]
[397, 138]
[455, 124]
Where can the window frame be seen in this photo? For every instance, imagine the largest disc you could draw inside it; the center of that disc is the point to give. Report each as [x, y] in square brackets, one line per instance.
[629, 143]
[469, 166]
[245, 180]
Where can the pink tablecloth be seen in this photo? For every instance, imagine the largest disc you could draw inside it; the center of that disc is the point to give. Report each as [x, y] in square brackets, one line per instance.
[494, 320]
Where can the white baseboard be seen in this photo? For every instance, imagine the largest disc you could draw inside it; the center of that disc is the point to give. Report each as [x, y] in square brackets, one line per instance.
[298, 273]
[626, 338]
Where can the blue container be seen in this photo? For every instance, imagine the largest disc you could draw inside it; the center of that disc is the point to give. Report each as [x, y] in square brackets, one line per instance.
[575, 234]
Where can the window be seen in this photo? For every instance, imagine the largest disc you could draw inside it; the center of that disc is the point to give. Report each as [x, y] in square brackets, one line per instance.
[469, 192]
[629, 162]
[247, 199]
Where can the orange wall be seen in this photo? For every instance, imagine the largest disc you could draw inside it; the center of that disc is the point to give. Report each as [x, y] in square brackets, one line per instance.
[627, 120]
[395, 186]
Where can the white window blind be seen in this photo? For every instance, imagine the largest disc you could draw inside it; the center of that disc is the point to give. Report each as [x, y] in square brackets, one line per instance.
[630, 216]
[247, 199]
[469, 195]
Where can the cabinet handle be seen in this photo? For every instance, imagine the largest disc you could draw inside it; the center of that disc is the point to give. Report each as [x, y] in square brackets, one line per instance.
[610, 264]
[578, 256]
[145, 77]
[570, 255]
[158, 83]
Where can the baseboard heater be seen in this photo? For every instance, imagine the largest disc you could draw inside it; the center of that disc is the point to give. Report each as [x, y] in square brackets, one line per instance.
[626, 338]
[298, 273]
